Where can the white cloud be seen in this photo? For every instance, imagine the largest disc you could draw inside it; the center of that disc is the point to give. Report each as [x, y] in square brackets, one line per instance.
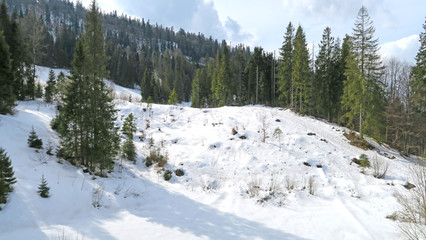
[404, 49]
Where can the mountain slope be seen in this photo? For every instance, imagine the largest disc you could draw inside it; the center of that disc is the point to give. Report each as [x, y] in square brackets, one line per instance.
[233, 188]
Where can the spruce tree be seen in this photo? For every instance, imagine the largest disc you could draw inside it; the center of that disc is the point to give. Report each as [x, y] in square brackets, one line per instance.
[6, 176]
[223, 93]
[366, 54]
[33, 140]
[285, 70]
[7, 97]
[129, 128]
[87, 116]
[43, 189]
[195, 93]
[173, 98]
[418, 85]
[38, 91]
[49, 90]
[301, 73]
[327, 85]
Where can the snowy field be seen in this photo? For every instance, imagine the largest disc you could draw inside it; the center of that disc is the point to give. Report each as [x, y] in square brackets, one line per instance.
[251, 185]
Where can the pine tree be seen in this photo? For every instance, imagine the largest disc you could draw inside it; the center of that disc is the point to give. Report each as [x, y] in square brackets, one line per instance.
[327, 81]
[366, 54]
[285, 80]
[43, 189]
[6, 176]
[417, 100]
[38, 91]
[49, 90]
[33, 140]
[7, 97]
[87, 116]
[195, 96]
[222, 91]
[301, 73]
[173, 98]
[129, 128]
[418, 85]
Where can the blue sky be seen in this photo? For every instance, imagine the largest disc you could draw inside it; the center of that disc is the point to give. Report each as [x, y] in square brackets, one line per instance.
[262, 23]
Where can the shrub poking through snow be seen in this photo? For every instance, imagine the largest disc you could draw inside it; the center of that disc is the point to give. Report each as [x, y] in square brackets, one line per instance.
[357, 141]
[234, 131]
[412, 214]
[168, 175]
[179, 172]
[43, 189]
[364, 162]
[312, 186]
[157, 158]
[380, 168]
[97, 195]
[33, 140]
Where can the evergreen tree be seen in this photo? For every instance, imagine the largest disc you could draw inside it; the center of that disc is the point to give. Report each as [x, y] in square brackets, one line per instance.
[301, 73]
[87, 116]
[33, 140]
[327, 82]
[417, 100]
[223, 87]
[129, 128]
[6, 176]
[173, 98]
[38, 91]
[285, 71]
[366, 54]
[195, 96]
[49, 90]
[418, 85]
[7, 97]
[43, 189]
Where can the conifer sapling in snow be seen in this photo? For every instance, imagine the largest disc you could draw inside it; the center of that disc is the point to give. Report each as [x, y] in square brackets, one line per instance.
[173, 98]
[43, 189]
[129, 149]
[33, 140]
[6, 176]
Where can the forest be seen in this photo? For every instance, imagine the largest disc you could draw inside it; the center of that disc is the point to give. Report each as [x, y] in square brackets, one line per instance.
[346, 82]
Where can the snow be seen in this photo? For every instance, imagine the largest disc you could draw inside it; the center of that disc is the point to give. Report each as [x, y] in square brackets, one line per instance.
[215, 198]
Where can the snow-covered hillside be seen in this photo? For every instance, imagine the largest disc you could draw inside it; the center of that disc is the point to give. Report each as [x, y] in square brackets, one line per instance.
[234, 187]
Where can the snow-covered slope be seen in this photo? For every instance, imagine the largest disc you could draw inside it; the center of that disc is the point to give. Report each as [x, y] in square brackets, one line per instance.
[233, 188]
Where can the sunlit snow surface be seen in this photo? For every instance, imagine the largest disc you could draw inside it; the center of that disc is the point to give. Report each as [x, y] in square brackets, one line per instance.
[213, 199]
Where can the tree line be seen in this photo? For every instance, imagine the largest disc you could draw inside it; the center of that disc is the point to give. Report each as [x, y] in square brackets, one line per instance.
[346, 82]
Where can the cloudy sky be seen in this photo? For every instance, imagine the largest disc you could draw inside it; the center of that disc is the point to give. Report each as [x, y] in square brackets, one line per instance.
[262, 23]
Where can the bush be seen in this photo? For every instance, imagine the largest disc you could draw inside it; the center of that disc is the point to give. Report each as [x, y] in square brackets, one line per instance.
[380, 168]
[157, 158]
[364, 162]
[43, 189]
[412, 216]
[33, 140]
[167, 175]
[179, 172]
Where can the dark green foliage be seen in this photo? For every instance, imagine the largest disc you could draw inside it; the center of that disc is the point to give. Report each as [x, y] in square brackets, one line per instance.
[43, 189]
[168, 175]
[285, 70]
[179, 172]
[328, 80]
[33, 140]
[364, 162]
[129, 126]
[7, 97]
[49, 90]
[6, 176]
[87, 115]
[38, 91]
[363, 92]
[173, 98]
[301, 74]
[129, 149]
